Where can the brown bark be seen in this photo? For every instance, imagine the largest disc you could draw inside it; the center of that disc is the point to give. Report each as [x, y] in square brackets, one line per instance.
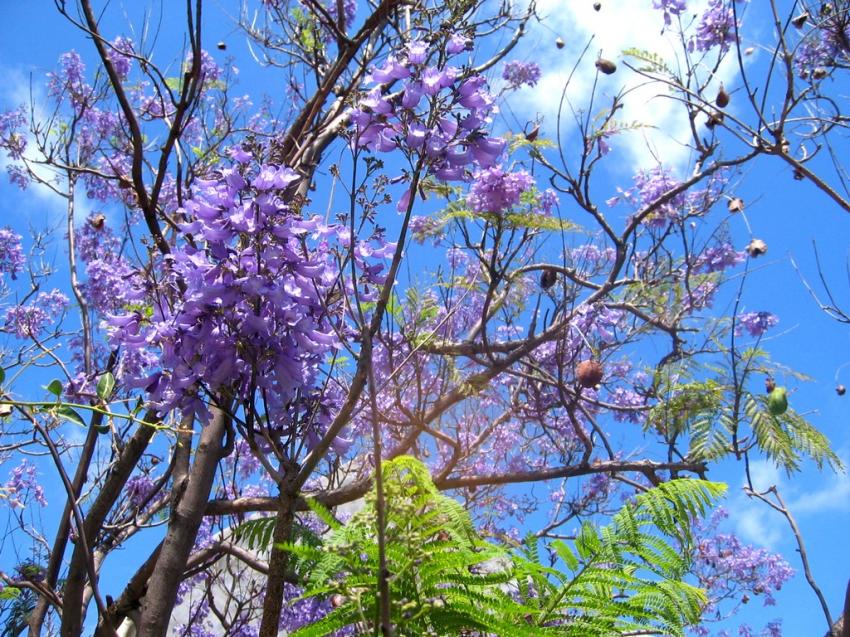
[186, 516]
[72, 606]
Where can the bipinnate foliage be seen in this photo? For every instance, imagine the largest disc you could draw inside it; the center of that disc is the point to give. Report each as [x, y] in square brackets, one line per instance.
[445, 579]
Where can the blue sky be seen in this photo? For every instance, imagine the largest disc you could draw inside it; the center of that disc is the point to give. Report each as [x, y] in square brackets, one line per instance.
[787, 214]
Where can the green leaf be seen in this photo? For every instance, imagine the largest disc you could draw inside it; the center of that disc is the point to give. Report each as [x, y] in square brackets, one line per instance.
[105, 385]
[9, 592]
[66, 412]
[55, 387]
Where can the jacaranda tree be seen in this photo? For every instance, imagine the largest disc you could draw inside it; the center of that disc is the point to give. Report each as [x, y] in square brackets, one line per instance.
[365, 357]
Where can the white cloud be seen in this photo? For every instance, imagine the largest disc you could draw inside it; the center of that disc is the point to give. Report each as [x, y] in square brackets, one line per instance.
[22, 90]
[617, 26]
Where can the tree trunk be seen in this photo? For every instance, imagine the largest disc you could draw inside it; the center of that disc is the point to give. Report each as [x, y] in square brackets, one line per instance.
[186, 516]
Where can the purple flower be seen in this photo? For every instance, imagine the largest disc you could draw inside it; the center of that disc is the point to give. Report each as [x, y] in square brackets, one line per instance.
[120, 56]
[458, 43]
[716, 27]
[417, 51]
[670, 8]
[630, 403]
[517, 73]
[756, 323]
[494, 190]
[31, 320]
[138, 489]
[22, 485]
[11, 253]
[718, 258]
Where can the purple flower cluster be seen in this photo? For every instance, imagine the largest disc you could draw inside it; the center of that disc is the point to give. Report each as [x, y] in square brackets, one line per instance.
[11, 253]
[138, 489]
[630, 404]
[22, 485]
[31, 320]
[448, 131]
[718, 258]
[649, 186]
[716, 27]
[11, 139]
[517, 73]
[756, 323]
[111, 283]
[240, 306]
[670, 8]
[494, 190]
[70, 80]
[121, 56]
[823, 47]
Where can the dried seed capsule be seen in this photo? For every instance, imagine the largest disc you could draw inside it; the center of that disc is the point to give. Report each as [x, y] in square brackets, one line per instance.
[840, 390]
[221, 46]
[756, 248]
[589, 373]
[597, 6]
[606, 66]
[97, 221]
[714, 118]
[800, 20]
[736, 204]
[722, 99]
[559, 43]
[548, 278]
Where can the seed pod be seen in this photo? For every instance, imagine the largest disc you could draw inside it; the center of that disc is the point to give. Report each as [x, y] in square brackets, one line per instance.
[559, 43]
[798, 175]
[221, 46]
[736, 204]
[548, 278]
[714, 118]
[777, 401]
[97, 221]
[800, 20]
[745, 599]
[597, 6]
[533, 133]
[819, 73]
[722, 99]
[606, 66]
[840, 390]
[769, 384]
[589, 373]
[756, 248]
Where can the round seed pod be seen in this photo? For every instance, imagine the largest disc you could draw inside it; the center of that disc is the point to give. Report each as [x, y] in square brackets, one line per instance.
[559, 43]
[840, 390]
[777, 401]
[756, 248]
[589, 373]
[221, 46]
[548, 278]
[606, 66]
[722, 99]
[597, 6]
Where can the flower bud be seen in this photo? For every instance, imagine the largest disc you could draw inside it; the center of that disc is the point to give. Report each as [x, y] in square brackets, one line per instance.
[548, 278]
